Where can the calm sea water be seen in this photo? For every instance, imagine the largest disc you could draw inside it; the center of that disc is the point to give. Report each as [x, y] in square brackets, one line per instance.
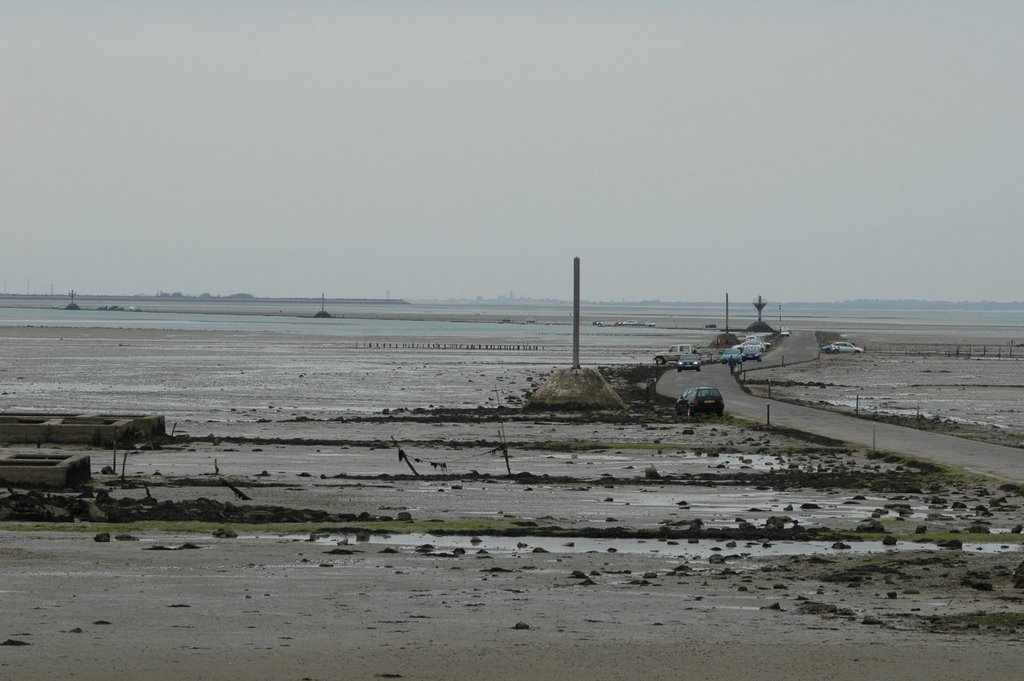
[504, 323]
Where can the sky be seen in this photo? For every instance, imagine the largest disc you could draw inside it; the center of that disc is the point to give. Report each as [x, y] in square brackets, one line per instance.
[803, 151]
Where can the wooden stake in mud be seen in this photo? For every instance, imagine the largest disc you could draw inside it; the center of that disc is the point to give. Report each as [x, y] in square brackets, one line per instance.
[402, 456]
[238, 493]
[504, 450]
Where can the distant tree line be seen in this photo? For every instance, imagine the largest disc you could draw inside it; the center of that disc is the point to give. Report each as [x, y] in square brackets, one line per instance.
[179, 294]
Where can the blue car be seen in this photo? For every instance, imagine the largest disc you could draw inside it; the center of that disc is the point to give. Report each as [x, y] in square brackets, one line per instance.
[734, 354]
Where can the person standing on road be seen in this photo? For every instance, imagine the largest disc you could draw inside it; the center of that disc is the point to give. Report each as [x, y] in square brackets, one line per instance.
[732, 365]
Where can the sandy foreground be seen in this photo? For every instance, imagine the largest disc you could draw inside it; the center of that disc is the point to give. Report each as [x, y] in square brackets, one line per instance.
[248, 608]
[278, 605]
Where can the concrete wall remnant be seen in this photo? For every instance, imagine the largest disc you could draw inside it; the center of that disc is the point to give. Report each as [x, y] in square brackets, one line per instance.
[101, 430]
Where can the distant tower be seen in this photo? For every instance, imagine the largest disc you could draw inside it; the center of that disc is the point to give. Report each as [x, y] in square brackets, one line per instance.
[323, 313]
[760, 305]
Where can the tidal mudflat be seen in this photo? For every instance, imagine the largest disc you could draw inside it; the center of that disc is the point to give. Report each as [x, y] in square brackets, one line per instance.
[603, 547]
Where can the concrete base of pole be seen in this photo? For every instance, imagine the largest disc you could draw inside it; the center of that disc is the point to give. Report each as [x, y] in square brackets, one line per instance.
[575, 390]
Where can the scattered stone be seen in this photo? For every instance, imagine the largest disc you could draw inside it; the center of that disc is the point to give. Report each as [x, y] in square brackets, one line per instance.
[823, 609]
[976, 583]
[521, 625]
[871, 525]
[102, 537]
[14, 642]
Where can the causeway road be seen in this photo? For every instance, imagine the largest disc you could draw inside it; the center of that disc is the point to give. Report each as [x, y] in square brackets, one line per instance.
[1006, 463]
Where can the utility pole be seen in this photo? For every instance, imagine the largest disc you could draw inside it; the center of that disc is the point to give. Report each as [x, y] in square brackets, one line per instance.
[575, 313]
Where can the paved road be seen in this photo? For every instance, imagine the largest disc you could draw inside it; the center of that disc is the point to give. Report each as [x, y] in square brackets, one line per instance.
[978, 457]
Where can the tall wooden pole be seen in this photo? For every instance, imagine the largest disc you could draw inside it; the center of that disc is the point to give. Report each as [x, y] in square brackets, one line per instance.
[727, 313]
[576, 313]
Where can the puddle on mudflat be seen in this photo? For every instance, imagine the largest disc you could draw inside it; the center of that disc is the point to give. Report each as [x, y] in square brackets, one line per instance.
[682, 549]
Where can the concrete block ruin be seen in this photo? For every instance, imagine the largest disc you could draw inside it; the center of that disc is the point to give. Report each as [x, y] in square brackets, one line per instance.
[53, 471]
[94, 429]
[99, 430]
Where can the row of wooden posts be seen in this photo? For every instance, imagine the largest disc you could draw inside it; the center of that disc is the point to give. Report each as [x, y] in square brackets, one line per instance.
[967, 351]
[447, 346]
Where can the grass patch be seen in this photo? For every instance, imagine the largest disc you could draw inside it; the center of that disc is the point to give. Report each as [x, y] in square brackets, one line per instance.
[201, 527]
[936, 537]
[1008, 623]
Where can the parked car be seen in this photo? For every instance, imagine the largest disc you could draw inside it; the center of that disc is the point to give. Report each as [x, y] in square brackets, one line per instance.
[841, 346]
[732, 353]
[784, 332]
[688, 361]
[752, 351]
[703, 399]
[765, 343]
[673, 353]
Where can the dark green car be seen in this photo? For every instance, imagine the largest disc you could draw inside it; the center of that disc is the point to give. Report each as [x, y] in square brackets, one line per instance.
[703, 399]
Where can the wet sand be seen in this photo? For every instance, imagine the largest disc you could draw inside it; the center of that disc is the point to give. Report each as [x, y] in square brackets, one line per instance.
[300, 423]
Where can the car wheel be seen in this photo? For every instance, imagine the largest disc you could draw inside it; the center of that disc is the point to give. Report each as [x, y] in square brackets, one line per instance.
[659, 360]
[678, 369]
[758, 359]
[698, 368]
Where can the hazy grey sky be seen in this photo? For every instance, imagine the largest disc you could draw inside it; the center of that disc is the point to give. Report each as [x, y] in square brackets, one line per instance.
[797, 150]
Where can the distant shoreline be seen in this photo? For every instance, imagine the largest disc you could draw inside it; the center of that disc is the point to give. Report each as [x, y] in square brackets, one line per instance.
[231, 299]
[48, 300]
